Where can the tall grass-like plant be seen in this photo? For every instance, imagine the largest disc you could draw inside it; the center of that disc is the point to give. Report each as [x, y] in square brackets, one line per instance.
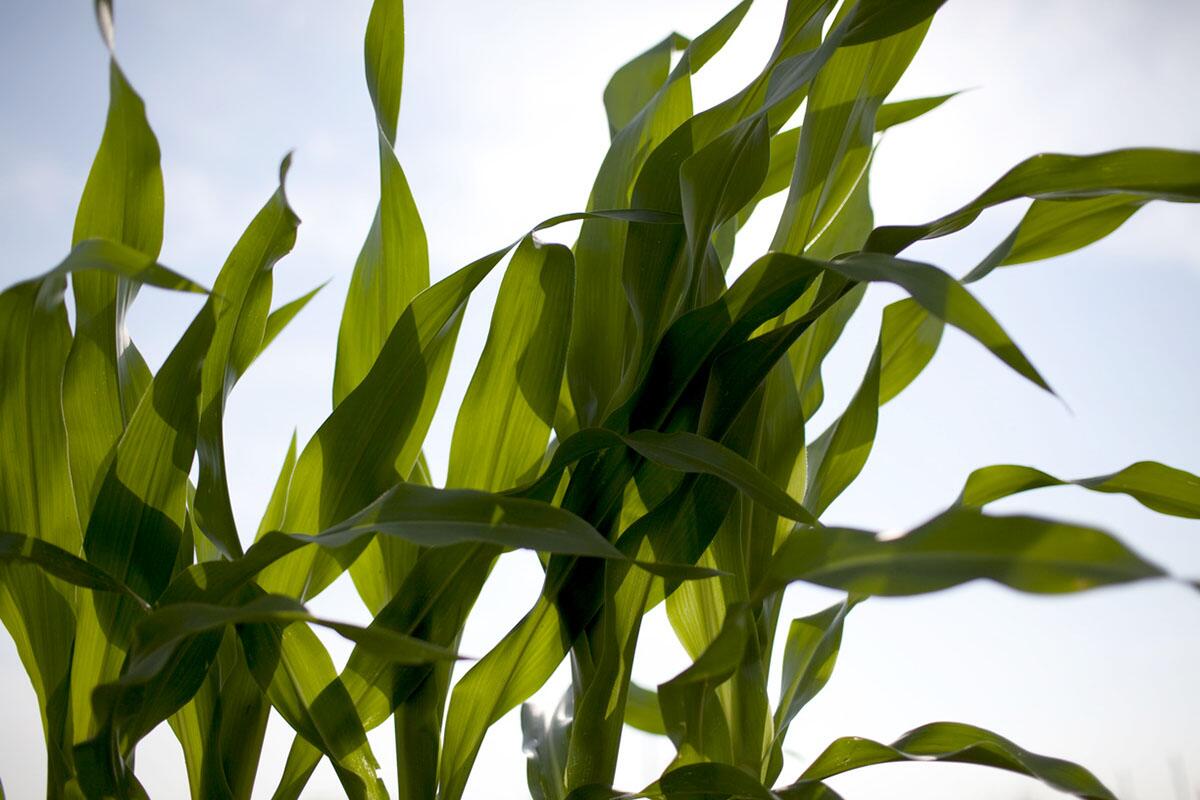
[637, 418]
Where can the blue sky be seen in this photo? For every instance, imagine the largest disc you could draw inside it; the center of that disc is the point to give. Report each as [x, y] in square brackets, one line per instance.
[501, 125]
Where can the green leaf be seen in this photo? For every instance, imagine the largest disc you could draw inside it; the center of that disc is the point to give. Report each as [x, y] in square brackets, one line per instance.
[506, 676]
[101, 256]
[634, 85]
[296, 673]
[909, 336]
[944, 297]
[393, 265]
[122, 202]
[53, 560]
[785, 146]
[392, 268]
[601, 311]
[809, 657]
[642, 710]
[135, 532]
[37, 501]
[960, 545]
[35, 479]
[715, 183]
[166, 627]
[1145, 173]
[1054, 227]
[837, 456]
[953, 742]
[839, 125]
[877, 19]
[278, 319]
[508, 411]
[707, 782]
[439, 517]
[244, 286]
[383, 53]
[688, 452]
[1156, 486]
[901, 111]
[692, 715]
[273, 514]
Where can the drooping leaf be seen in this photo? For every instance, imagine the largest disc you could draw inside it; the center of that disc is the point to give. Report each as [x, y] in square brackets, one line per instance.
[1054, 227]
[166, 627]
[440, 517]
[954, 742]
[55, 561]
[945, 298]
[110, 258]
[1146, 173]
[1156, 486]
[960, 545]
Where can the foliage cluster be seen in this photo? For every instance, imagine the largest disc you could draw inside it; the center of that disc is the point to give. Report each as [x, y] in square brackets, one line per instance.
[637, 418]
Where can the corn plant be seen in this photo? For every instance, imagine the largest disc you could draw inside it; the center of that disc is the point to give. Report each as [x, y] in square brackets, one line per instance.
[637, 418]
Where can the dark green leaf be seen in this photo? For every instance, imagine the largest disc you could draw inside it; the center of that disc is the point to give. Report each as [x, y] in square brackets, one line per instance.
[960, 545]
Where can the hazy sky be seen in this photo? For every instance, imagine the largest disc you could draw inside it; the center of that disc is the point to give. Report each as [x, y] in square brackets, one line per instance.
[501, 125]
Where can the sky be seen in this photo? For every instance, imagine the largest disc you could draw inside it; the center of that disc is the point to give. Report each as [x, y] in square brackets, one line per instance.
[502, 125]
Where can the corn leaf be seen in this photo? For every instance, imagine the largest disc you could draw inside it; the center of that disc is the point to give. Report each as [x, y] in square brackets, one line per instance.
[809, 656]
[122, 202]
[37, 507]
[393, 265]
[244, 287]
[135, 532]
[1156, 486]
[601, 313]
[1145, 173]
[960, 545]
[955, 742]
